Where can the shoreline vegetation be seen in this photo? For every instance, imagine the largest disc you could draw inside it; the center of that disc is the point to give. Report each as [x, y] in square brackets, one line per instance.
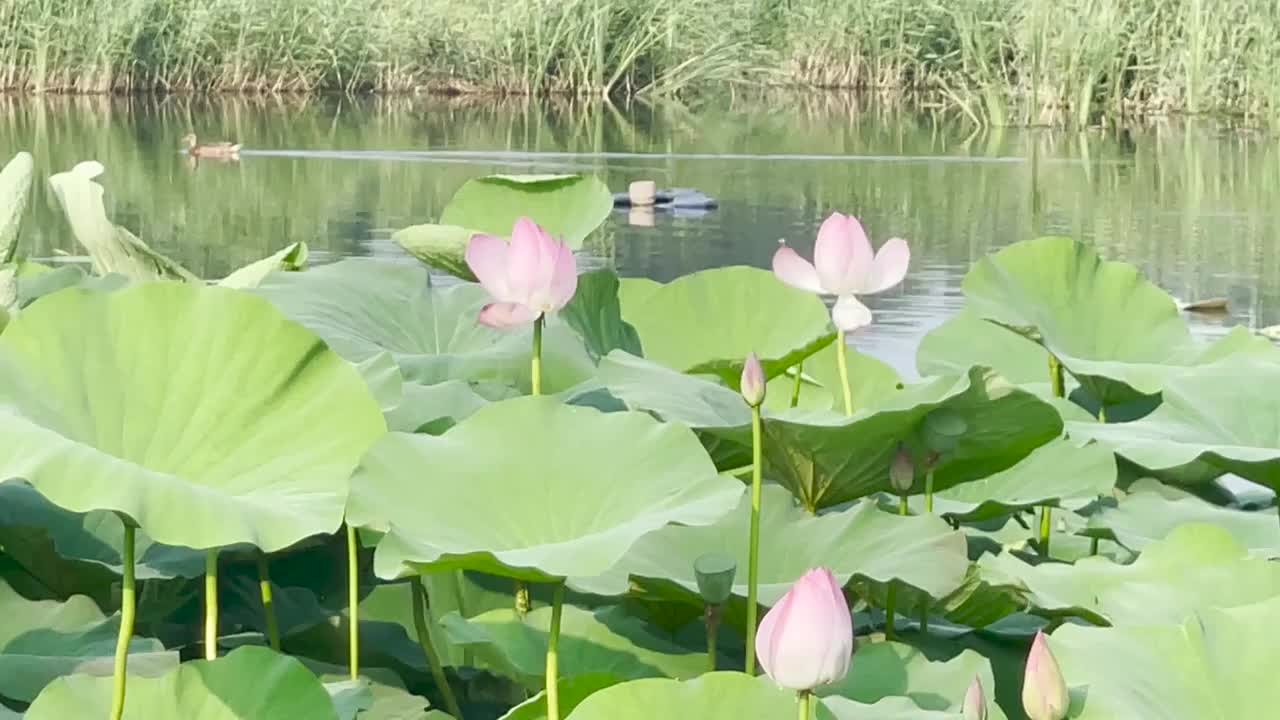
[999, 62]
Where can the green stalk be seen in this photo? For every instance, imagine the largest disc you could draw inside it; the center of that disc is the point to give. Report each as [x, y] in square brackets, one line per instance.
[753, 546]
[1046, 525]
[902, 506]
[795, 390]
[928, 491]
[535, 369]
[843, 362]
[353, 603]
[713, 631]
[890, 602]
[553, 655]
[805, 697]
[128, 606]
[424, 639]
[268, 606]
[211, 605]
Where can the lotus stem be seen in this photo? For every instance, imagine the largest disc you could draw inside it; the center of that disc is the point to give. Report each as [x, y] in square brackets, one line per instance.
[795, 389]
[843, 362]
[211, 605]
[903, 509]
[753, 542]
[1093, 546]
[1102, 413]
[805, 697]
[268, 606]
[535, 368]
[353, 603]
[128, 608]
[424, 639]
[1056, 378]
[890, 603]
[928, 491]
[712, 616]
[553, 654]
[924, 619]
[1046, 525]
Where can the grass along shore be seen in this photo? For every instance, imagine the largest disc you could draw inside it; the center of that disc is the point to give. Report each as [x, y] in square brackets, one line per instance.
[1002, 62]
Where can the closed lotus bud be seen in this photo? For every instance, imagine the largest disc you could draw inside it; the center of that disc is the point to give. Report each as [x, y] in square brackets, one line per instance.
[714, 573]
[753, 381]
[975, 702]
[806, 640]
[902, 472]
[1044, 690]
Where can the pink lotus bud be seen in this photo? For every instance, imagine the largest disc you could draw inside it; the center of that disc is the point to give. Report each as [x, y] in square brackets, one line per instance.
[752, 384]
[902, 472]
[975, 702]
[806, 640]
[1044, 690]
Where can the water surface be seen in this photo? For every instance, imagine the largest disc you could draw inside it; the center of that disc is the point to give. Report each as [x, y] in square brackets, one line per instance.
[1192, 205]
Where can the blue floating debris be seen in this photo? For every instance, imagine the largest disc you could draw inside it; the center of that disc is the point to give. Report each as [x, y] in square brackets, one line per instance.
[673, 199]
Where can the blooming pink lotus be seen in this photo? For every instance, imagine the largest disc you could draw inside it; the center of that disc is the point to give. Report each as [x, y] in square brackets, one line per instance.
[529, 277]
[844, 265]
[806, 640]
[975, 702]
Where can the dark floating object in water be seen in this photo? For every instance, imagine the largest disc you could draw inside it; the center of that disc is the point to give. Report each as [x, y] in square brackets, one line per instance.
[674, 199]
[1209, 305]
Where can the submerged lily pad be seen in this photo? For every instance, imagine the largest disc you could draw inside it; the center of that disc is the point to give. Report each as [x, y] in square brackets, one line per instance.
[364, 307]
[708, 322]
[1151, 511]
[1196, 567]
[1219, 419]
[1218, 663]
[606, 640]
[825, 458]
[861, 542]
[43, 640]
[250, 683]
[532, 510]
[149, 399]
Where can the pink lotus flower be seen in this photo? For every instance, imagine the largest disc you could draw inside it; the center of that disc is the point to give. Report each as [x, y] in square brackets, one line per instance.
[975, 702]
[1044, 689]
[529, 277]
[806, 640]
[752, 383]
[844, 265]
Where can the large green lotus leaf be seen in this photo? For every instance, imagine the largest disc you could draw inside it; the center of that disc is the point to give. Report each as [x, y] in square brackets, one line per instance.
[112, 248]
[291, 259]
[1063, 473]
[1197, 566]
[965, 340]
[15, 188]
[861, 543]
[363, 307]
[569, 207]
[1217, 419]
[96, 538]
[44, 640]
[1152, 510]
[1216, 665]
[890, 708]
[250, 683]
[604, 641]
[573, 691]
[596, 314]
[199, 412]
[1116, 332]
[507, 499]
[709, 321]
[713, 696]
[375, 699]
[888, 669]
[825, 458]
[443, 247]
[434, 408]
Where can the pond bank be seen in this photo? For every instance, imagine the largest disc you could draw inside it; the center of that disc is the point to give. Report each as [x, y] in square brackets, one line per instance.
[999, 61]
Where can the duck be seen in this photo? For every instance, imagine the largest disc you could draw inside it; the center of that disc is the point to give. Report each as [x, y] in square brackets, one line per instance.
[211, 150]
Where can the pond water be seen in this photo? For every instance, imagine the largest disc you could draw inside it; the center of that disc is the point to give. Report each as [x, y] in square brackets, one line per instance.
[1193, 205]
